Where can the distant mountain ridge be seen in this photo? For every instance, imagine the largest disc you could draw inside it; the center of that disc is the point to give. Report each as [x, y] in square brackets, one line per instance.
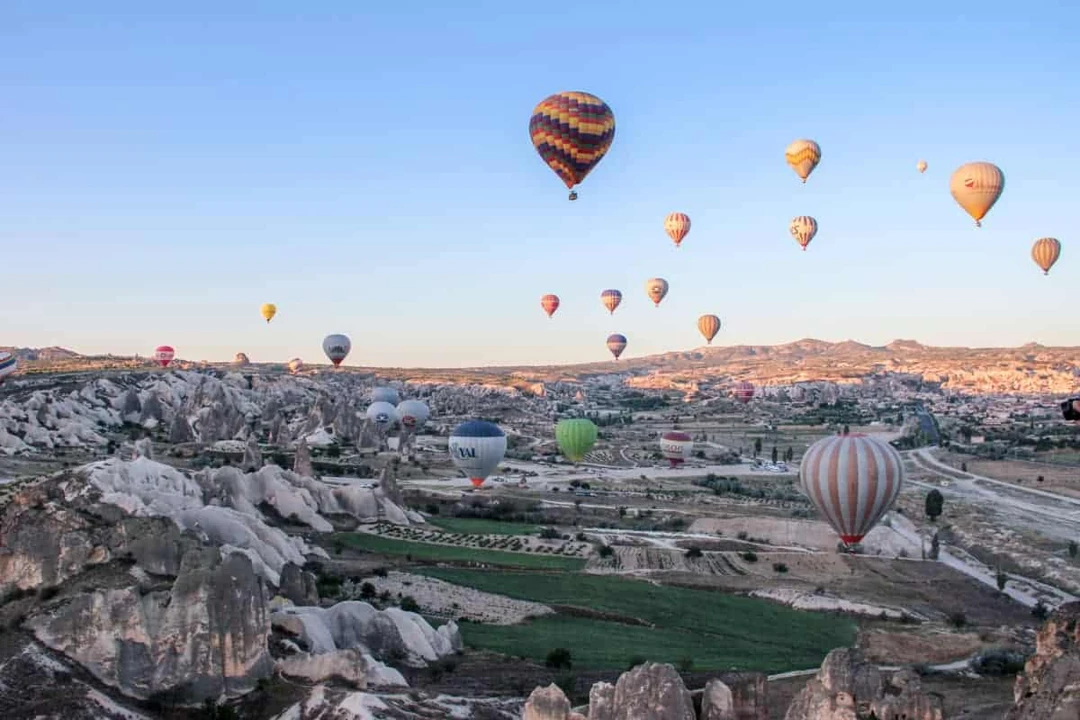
[46, 354]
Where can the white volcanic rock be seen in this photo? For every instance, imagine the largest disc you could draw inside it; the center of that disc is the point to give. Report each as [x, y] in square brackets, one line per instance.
[350, 666]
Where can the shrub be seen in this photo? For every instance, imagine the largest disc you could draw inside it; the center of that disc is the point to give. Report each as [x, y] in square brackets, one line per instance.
[958, 619]
[998, 662]
[749, 556]
[605, 551]
[694, 552]
[1002, 578]
[1040, 611]
[779, 567]
[367, 591]
[1073, 548]
[409, 604]
[743, 535]
[549, 533]
[559, 658]
[636, 660]
[686, 665]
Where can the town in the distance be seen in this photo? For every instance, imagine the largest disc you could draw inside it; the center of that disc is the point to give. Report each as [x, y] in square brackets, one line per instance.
[254, 540]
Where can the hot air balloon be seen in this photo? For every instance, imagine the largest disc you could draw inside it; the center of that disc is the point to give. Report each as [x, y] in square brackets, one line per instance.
[8, 365]
[976, 187]
[268, 310]
[852, 480]
[656, 289]
[743, 391]
[550, 303]
[708, 325]
[336, 347]
[241, 360]
[383, 414]
[677, 226]
[616, 343]
[296, 365]
[921, 166]
[413, 413]
[576, 437]
[477, 447]
[676, 447]
[1070, 409]
[572, 131]
[611, 299]
[803, 229]
[1045, 253]
[163, 355]
[803, 156]
[385, 393]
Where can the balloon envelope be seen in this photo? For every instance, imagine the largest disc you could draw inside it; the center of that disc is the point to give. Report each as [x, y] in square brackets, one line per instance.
[385, 393]
[1070, 409]
[8, 365]
[382, 413]
[1045, 252]
[611, 299]
[477, 447]
[616, 343]
[976, 187]
[803, 228]
[550, 303]
[576, 437]
[241, 360]
[268, 311]
[677, 226]
[743, 391]
[413, 413]
[852, 480]
[676, 447]
[656, 289]
[163, 355]
[921, 166]
[803, 156]
[336, 347]
[708, 326]
[572, 131]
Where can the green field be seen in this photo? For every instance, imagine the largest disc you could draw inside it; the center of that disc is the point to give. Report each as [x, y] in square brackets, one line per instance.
[448, 553]
[480, 526]
[716, 631]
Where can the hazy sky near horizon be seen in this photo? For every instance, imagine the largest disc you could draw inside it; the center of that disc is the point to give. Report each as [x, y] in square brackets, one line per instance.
[367, 167]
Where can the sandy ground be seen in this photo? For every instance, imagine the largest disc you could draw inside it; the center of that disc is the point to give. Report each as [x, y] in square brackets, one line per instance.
[444, 599]
[1056, 478]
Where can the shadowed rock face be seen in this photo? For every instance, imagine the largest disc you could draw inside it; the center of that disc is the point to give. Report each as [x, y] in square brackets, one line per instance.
[204, 637]
[1049, 688]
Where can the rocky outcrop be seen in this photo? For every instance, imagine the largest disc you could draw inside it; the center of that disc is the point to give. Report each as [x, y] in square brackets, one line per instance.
[298, 586]
[203, 637]
[652, 691]
[847, 688]
[252, 456]
[350, 667]
[717, 702]
[302, 462]
[547, 703]
[328, 703]
[1049, 687]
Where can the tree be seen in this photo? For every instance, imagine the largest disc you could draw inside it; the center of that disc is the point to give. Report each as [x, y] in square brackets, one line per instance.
[789, 454]
[757, 446]
[775, 454]
[935, 547]
[847, 429]
[935, 503]
[963, 467]
[1073, 548]
[559, 658]
[1002, 578]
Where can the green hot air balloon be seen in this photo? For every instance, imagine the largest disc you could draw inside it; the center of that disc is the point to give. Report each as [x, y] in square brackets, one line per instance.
[576, 437]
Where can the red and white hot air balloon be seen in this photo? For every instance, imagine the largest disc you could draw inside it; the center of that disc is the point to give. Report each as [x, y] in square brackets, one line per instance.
[164, 354]
[743, 391]
[677, 225]
[676, 447]
[550, 303]
[852, 481]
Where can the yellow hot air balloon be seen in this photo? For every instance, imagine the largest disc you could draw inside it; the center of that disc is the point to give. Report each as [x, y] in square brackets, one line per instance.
[803, 156]
[708, 325]
[1045, 253]
[921, 166]
[268, 310]
[976, 187]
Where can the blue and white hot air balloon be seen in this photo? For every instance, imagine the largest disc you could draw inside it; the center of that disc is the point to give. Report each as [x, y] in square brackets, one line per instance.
[385, 393]
[477, 447]
[383, 414]
[413, 413]
[8, 364]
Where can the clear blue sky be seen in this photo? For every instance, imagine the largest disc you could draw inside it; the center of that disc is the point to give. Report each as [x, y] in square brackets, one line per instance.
[164, 170]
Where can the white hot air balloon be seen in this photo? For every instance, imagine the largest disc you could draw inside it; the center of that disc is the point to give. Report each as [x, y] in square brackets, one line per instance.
[8, 365]
[852, 480]
[385, 393]
[477, 447]
[413, 413]
[677, 447]
[976, 187]
[382, 414]
[336, 347]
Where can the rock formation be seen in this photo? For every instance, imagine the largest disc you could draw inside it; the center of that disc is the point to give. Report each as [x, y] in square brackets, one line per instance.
[847, 688]
[1049, 687]
[302, 464]
[252, 456]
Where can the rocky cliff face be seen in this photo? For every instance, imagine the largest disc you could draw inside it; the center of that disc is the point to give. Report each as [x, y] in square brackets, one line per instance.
[1049, 688]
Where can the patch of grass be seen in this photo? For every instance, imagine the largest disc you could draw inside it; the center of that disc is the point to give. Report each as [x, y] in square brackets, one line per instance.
[425, 552]
[717, 631]
[480, 526]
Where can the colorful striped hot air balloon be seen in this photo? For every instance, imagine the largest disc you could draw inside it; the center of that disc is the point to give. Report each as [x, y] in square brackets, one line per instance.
[852, 480]
[803, 229]
[676, 447]
[163, 355]
[1045, 253]
[576, 437]
[550, 303]
[976, 187]
[656, 289]
[296, 365]
[803, 156]
[616, 343]
[477, 447]
[413, 413]
[611, 299]
[336, 347]
[572, 131]
[8, 365]
[268, 311]
[743, 391]
[708, 325]
[677, 226]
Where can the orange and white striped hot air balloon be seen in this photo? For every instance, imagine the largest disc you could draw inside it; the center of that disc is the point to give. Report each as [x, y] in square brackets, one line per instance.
[803, 156]
[1045, 253]
[852, 481]
[976, 187]
[550, 303]
[677, 225]
[803, 229]
[708, 326]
